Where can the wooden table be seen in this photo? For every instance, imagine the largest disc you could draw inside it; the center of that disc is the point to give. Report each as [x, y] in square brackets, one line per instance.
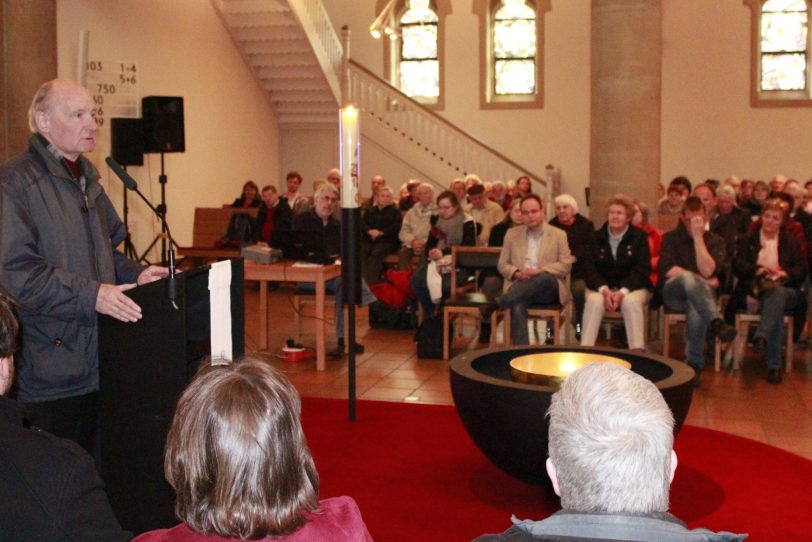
[287, 271]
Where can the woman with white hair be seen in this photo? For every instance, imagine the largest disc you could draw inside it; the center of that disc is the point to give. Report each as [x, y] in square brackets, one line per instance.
[579, 231]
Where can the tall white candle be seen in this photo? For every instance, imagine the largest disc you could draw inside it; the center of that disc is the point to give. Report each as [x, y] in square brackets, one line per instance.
[350, 156]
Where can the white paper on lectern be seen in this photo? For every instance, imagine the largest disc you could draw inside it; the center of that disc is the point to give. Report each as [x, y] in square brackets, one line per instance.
[220, 317]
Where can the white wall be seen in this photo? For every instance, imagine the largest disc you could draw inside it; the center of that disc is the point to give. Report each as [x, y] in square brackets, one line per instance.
[181, 49]
[709, 129]
[557, 134]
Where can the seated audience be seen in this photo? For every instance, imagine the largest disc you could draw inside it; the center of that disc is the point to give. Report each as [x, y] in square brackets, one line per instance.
[297, 201]
[450, 227]
[579, 231]
[727, 206]
[611, 460]
[655, 236]
[690, 258]
[523, 186]
[460, 189]
[485, 212]
[238, 461]
[745, 193]
[500, 195]
[490, 281]
[318, 233]
[249, 197]
[414, 230]
[761, 191]
[273, 219]
[672, 203]
[380, 225]
[771, 269]
[534, 262]
[407, 199]
[617, 275]
[49, 488]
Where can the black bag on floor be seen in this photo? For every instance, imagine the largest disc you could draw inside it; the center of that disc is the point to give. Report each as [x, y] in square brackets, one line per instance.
[383, 316]
[429, 338]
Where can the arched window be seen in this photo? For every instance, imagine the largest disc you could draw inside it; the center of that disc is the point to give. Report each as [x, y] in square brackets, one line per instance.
[781, 52]
[419, 66]
[511, 52]
[413, 54]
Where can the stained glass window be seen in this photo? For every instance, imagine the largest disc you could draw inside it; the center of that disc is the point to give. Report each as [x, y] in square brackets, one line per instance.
[784, 45]
[419, 65]
[514, 48]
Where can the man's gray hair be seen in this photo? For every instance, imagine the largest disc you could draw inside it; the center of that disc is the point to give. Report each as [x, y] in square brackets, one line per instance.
[566, 199]
[610, 439]
[323, 190]
[41, 102]
[426, 185]
[726, 190]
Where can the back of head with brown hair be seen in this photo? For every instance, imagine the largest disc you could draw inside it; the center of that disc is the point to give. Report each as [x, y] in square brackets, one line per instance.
[236, 454]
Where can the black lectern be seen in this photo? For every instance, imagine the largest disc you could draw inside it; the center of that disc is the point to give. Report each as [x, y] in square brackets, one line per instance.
[144, 368]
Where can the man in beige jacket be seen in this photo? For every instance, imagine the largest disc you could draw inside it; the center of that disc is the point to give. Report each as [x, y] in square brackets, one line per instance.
[535, 262]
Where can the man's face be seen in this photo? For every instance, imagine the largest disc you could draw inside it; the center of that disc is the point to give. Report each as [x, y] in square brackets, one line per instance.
[687, 216]
[533, 213]
[384, 198]
[777, 184]
[293, 184]
[377, 182]
[424, 195]
[69, 122]
[326, 204]
[478, 201]
[459, 190]
[706, 196]
[675, 197]
[269, 198]
[725, 204]
[498, 192]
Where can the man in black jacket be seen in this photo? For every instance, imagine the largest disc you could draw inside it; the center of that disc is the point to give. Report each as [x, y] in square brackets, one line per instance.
[59, 261]
[49, 488]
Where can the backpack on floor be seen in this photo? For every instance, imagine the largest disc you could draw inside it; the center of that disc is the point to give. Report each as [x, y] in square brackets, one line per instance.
[429, 338]
[384, 316]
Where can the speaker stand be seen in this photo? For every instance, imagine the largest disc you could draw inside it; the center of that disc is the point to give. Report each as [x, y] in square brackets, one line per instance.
[129, 248]
[161, 208]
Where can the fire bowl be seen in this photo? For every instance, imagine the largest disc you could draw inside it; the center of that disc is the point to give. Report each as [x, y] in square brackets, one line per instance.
[506, 416]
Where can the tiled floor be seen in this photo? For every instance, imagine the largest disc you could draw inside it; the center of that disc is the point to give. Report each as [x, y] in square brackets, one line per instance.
[740, 402]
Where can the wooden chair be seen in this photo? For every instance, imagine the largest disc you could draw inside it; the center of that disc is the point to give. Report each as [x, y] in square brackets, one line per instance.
[465, 299]
[743, 321]
[667, 319]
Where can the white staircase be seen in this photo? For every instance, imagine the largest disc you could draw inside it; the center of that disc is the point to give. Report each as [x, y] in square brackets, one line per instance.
[274, 38]
[296, 56]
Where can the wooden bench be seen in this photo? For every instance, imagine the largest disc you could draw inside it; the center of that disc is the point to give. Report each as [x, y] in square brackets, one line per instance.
[211, 224]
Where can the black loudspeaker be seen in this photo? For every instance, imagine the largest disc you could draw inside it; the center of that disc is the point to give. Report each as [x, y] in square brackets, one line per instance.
[163, 124]
[127, 141]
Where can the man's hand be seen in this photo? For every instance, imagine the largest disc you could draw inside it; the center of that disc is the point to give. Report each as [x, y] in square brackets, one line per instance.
[374, 234]
[696, 227]
[111, 301]
[435, 254]
[151, 274]
[608, 300]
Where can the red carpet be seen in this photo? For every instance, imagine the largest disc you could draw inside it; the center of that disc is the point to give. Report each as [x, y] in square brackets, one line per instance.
[418, 476]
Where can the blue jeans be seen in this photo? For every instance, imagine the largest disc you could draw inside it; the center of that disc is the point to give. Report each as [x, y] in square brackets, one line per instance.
[687, 293]
[774, 304]
[541, 289]
[333, 286]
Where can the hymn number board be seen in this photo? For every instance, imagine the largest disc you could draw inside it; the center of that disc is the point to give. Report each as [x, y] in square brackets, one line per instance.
[114, 87]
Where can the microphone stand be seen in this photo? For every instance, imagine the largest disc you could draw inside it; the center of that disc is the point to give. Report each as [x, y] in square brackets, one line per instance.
[130, 184]
[129, 248]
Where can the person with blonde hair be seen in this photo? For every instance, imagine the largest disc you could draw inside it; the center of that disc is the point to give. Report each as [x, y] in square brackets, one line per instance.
[238, 460]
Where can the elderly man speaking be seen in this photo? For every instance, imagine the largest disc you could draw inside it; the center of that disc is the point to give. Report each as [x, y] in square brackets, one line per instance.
[58, 259]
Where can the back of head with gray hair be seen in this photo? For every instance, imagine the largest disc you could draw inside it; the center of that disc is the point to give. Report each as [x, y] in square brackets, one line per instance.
[611, 435]
[566, 199]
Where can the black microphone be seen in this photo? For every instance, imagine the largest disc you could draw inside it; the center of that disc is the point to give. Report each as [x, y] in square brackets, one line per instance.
[130, 184]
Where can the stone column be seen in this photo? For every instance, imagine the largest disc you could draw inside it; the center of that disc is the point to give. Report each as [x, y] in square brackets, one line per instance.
[626, 93]
[28, 44]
